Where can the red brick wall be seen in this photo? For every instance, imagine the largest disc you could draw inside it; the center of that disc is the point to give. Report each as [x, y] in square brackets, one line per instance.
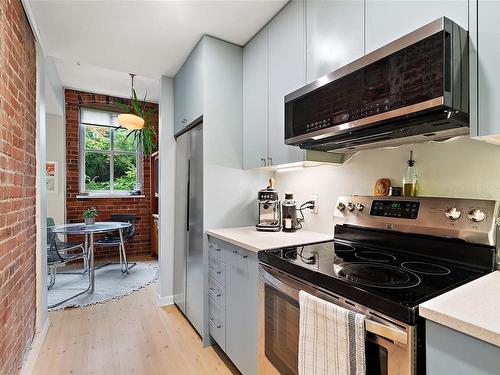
[17, 185]
[141, 207]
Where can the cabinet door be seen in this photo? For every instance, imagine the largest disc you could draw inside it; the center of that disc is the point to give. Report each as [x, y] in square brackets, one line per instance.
[188, 90]
[255, 101]
[488, 53]
[334, 35]
[387, 20]
[287, 72]
[242, 310]
[452, 352]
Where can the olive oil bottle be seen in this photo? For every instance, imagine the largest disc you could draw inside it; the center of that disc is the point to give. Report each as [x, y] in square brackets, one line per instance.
[410, 179]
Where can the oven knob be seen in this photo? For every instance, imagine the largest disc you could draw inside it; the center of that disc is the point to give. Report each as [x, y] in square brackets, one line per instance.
[340, 206]
[476, 215]
[453, 213]
[350, 206]
[359, 206]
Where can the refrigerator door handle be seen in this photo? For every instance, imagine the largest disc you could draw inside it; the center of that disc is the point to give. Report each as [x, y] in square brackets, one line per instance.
[187, 195]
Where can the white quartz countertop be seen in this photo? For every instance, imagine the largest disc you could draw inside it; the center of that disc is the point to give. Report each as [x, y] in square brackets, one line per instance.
[472, 308]
[251, 239]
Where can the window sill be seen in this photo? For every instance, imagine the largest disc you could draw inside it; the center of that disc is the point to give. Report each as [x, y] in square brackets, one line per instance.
[109, 196]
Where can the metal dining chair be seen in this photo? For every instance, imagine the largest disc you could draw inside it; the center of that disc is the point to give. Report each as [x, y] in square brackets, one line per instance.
[113, 239]
[60, 253]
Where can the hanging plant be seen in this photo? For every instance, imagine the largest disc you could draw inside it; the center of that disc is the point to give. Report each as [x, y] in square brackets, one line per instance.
[144, 134]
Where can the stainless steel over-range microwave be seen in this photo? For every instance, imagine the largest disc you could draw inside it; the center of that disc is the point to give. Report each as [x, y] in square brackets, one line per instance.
[411, 90]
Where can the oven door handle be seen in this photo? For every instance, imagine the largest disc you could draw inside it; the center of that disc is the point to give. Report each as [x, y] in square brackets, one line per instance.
[382, 330]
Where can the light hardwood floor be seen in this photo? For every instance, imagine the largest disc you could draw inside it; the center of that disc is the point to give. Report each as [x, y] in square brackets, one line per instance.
[128, 336]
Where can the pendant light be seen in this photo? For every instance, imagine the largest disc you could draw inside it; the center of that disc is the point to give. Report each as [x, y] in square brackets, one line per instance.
[130, 120]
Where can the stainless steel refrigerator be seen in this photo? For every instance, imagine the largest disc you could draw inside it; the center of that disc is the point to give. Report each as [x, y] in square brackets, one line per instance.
[188, 253]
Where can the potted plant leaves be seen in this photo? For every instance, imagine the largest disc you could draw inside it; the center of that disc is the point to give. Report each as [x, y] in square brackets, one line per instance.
[89, 215]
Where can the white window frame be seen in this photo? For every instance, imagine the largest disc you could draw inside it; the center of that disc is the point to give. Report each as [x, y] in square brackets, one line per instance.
[82, 154]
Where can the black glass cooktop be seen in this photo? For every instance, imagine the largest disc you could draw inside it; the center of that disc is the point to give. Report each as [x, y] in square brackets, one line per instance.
[386, 280]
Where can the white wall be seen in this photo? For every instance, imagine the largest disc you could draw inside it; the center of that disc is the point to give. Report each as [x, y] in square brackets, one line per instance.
[166, 147]
[458, 168]
[56, 151]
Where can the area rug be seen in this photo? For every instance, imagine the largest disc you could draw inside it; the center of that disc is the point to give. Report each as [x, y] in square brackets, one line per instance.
[110, 283]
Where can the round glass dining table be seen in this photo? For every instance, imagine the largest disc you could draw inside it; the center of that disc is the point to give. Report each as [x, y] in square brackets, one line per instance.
[89, 231]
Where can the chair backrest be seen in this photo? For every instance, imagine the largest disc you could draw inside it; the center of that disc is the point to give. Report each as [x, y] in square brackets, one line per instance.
[126, 218]
[52, 236]
[50, 222]
[52, 242]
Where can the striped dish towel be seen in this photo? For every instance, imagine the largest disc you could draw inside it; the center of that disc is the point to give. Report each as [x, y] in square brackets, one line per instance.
[331, 338]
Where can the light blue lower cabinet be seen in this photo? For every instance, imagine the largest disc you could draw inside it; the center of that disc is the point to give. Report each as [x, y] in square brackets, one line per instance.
[455, 353]
[217, 323]
[237, 298]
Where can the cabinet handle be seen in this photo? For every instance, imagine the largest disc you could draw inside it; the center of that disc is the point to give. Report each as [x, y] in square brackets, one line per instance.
[217, 325]
[216, 292]
[270, 160]
[217, 249]
[263, 160]
[213, 269]
[235, 252]
[184, 121]
[244, 256]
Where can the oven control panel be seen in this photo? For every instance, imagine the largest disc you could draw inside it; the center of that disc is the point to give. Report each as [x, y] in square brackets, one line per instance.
[393, 208]
[473, 220]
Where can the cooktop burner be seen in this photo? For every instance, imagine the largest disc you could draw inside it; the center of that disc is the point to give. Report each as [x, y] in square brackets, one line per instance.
[375, 256]
[425, 268]
[377, 275]
[341, 247]
[393, 281]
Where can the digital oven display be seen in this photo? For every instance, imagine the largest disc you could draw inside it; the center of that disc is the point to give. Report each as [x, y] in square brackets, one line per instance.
[398, 209]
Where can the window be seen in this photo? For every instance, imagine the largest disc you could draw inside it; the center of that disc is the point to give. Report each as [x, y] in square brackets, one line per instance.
[110, 161]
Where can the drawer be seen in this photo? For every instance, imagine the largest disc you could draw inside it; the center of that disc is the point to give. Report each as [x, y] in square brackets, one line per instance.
[214, 252]
[217, 323]
[217, 292]
[217, 270]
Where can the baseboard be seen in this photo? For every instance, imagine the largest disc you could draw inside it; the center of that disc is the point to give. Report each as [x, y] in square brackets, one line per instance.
[36, 347]
[164, 301]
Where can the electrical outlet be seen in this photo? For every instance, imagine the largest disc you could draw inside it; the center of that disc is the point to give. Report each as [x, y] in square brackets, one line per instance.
[314, 198]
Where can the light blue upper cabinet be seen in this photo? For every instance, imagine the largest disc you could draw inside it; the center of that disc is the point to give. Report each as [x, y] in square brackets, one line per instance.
[334, 35]
[387, 20]
[255, 101]
[485, 36]
[188, 90]
[287, 72]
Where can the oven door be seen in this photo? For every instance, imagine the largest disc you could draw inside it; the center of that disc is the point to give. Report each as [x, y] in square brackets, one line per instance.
[389, 345]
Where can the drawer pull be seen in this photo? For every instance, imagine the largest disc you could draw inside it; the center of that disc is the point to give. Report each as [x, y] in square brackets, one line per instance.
[217, 325]
[217, 249]
[244, 256]
[214, 270]
[216, 292]
[235, 251]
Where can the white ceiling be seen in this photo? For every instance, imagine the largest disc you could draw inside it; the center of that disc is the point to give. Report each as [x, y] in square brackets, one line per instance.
[150, 38]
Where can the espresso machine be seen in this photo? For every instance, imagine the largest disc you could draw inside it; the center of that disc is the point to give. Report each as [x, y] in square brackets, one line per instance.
[269, 209]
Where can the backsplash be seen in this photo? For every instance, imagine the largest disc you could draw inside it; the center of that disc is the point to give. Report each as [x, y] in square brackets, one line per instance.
[461, 167]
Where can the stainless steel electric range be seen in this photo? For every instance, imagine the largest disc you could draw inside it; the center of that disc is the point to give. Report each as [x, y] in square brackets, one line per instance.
[389, 255]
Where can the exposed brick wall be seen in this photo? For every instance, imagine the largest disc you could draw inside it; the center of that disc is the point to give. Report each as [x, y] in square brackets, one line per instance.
[141, 207]
[17, 185]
